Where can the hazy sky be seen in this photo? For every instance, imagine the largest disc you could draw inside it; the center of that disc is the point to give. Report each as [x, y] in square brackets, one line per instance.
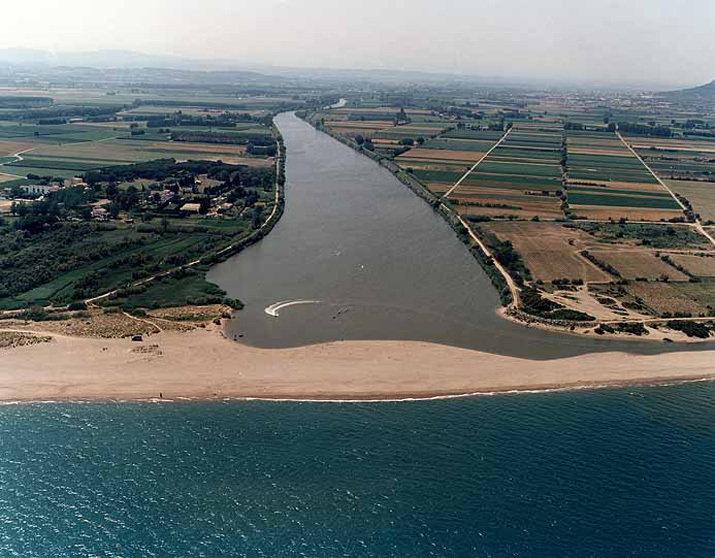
[635, 41]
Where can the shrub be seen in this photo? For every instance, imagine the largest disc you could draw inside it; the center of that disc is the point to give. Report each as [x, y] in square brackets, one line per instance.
[636, 328]
[691, 329]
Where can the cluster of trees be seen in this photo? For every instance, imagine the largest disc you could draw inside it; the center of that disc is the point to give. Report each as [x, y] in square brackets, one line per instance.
[232, 138]
[506, 255]
[224, 120]
[693, 123]
[13, 101]
[162, 169]
[412, 141]
[58, 114]
[691, 329]
[365, 143]
[262, 150]
[608, 268]
[537, 305]
[644, 129]
[402, 118]
[29, 261]
[37, 216]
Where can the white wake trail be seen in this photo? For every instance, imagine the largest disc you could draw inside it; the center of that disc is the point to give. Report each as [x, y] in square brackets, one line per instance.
[274, 308]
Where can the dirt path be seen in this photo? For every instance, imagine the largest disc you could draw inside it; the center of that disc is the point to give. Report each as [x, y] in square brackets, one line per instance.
[515, 300]
[493, 147]
[698, 225]
[18, 157]
[148, 322]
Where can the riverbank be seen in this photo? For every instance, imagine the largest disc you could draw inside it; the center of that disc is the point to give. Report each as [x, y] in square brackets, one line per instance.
[203, 364]
[586, 318]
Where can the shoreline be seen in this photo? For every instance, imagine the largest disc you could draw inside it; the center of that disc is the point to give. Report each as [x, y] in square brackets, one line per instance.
[202, 364]
[386, 399]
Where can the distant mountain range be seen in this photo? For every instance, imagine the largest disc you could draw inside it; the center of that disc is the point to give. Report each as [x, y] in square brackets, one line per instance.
[700, 93]
[108, 59]
[225, 70]
[220, 70]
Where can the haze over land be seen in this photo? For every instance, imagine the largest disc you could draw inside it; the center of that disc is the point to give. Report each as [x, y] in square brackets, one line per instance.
[649, 43]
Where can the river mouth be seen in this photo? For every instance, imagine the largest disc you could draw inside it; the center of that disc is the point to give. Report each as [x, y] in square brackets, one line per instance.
[358, 256]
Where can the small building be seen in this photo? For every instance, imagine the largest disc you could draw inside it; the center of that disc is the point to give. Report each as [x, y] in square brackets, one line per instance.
[74, 181]
[191, 207]
[100, 214]
[36, 189]
[166, 195]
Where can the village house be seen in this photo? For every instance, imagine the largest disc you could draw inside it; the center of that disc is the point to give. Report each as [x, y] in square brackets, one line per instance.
[40, 189]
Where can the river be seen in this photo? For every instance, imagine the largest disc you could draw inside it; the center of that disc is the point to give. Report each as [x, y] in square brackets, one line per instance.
[357, 255]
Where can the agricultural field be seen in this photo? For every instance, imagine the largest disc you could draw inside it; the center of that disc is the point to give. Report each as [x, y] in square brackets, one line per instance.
[612, 271]
[700, 194]
[437, 148]
[387, 130]
[699, 264]
[83, 149]
[639, 264]
[606, 181]
[677, 158]
[442, 162]
[675, 299]
[520, 178]
[550, 251]
[75, 131]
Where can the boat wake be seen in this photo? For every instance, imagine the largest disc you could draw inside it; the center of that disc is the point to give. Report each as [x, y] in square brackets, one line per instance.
[274, 308]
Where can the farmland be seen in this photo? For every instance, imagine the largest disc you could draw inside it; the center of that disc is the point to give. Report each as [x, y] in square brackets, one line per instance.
[69, 150]
[700, 194]
[556, 196]
[606, 181]
[520, 178]
[79, 130]
[550, 252]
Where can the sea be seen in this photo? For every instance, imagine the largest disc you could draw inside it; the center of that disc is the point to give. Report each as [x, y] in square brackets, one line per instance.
[604, 472]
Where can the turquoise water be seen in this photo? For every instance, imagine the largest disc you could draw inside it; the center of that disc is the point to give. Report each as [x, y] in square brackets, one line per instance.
[625, 472]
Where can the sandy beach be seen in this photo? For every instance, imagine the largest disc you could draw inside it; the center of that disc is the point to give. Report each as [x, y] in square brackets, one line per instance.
[203, 364]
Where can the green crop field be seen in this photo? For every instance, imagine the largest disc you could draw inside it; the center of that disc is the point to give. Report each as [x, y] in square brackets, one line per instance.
[606, 191]
[605, 176]
[604, 161]
[457, 145]
[47, 163]
[522, 182]
[437, 176]
[39, 171]
[520, 168]
[551, 157]
[577, 198]
[473, 134]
